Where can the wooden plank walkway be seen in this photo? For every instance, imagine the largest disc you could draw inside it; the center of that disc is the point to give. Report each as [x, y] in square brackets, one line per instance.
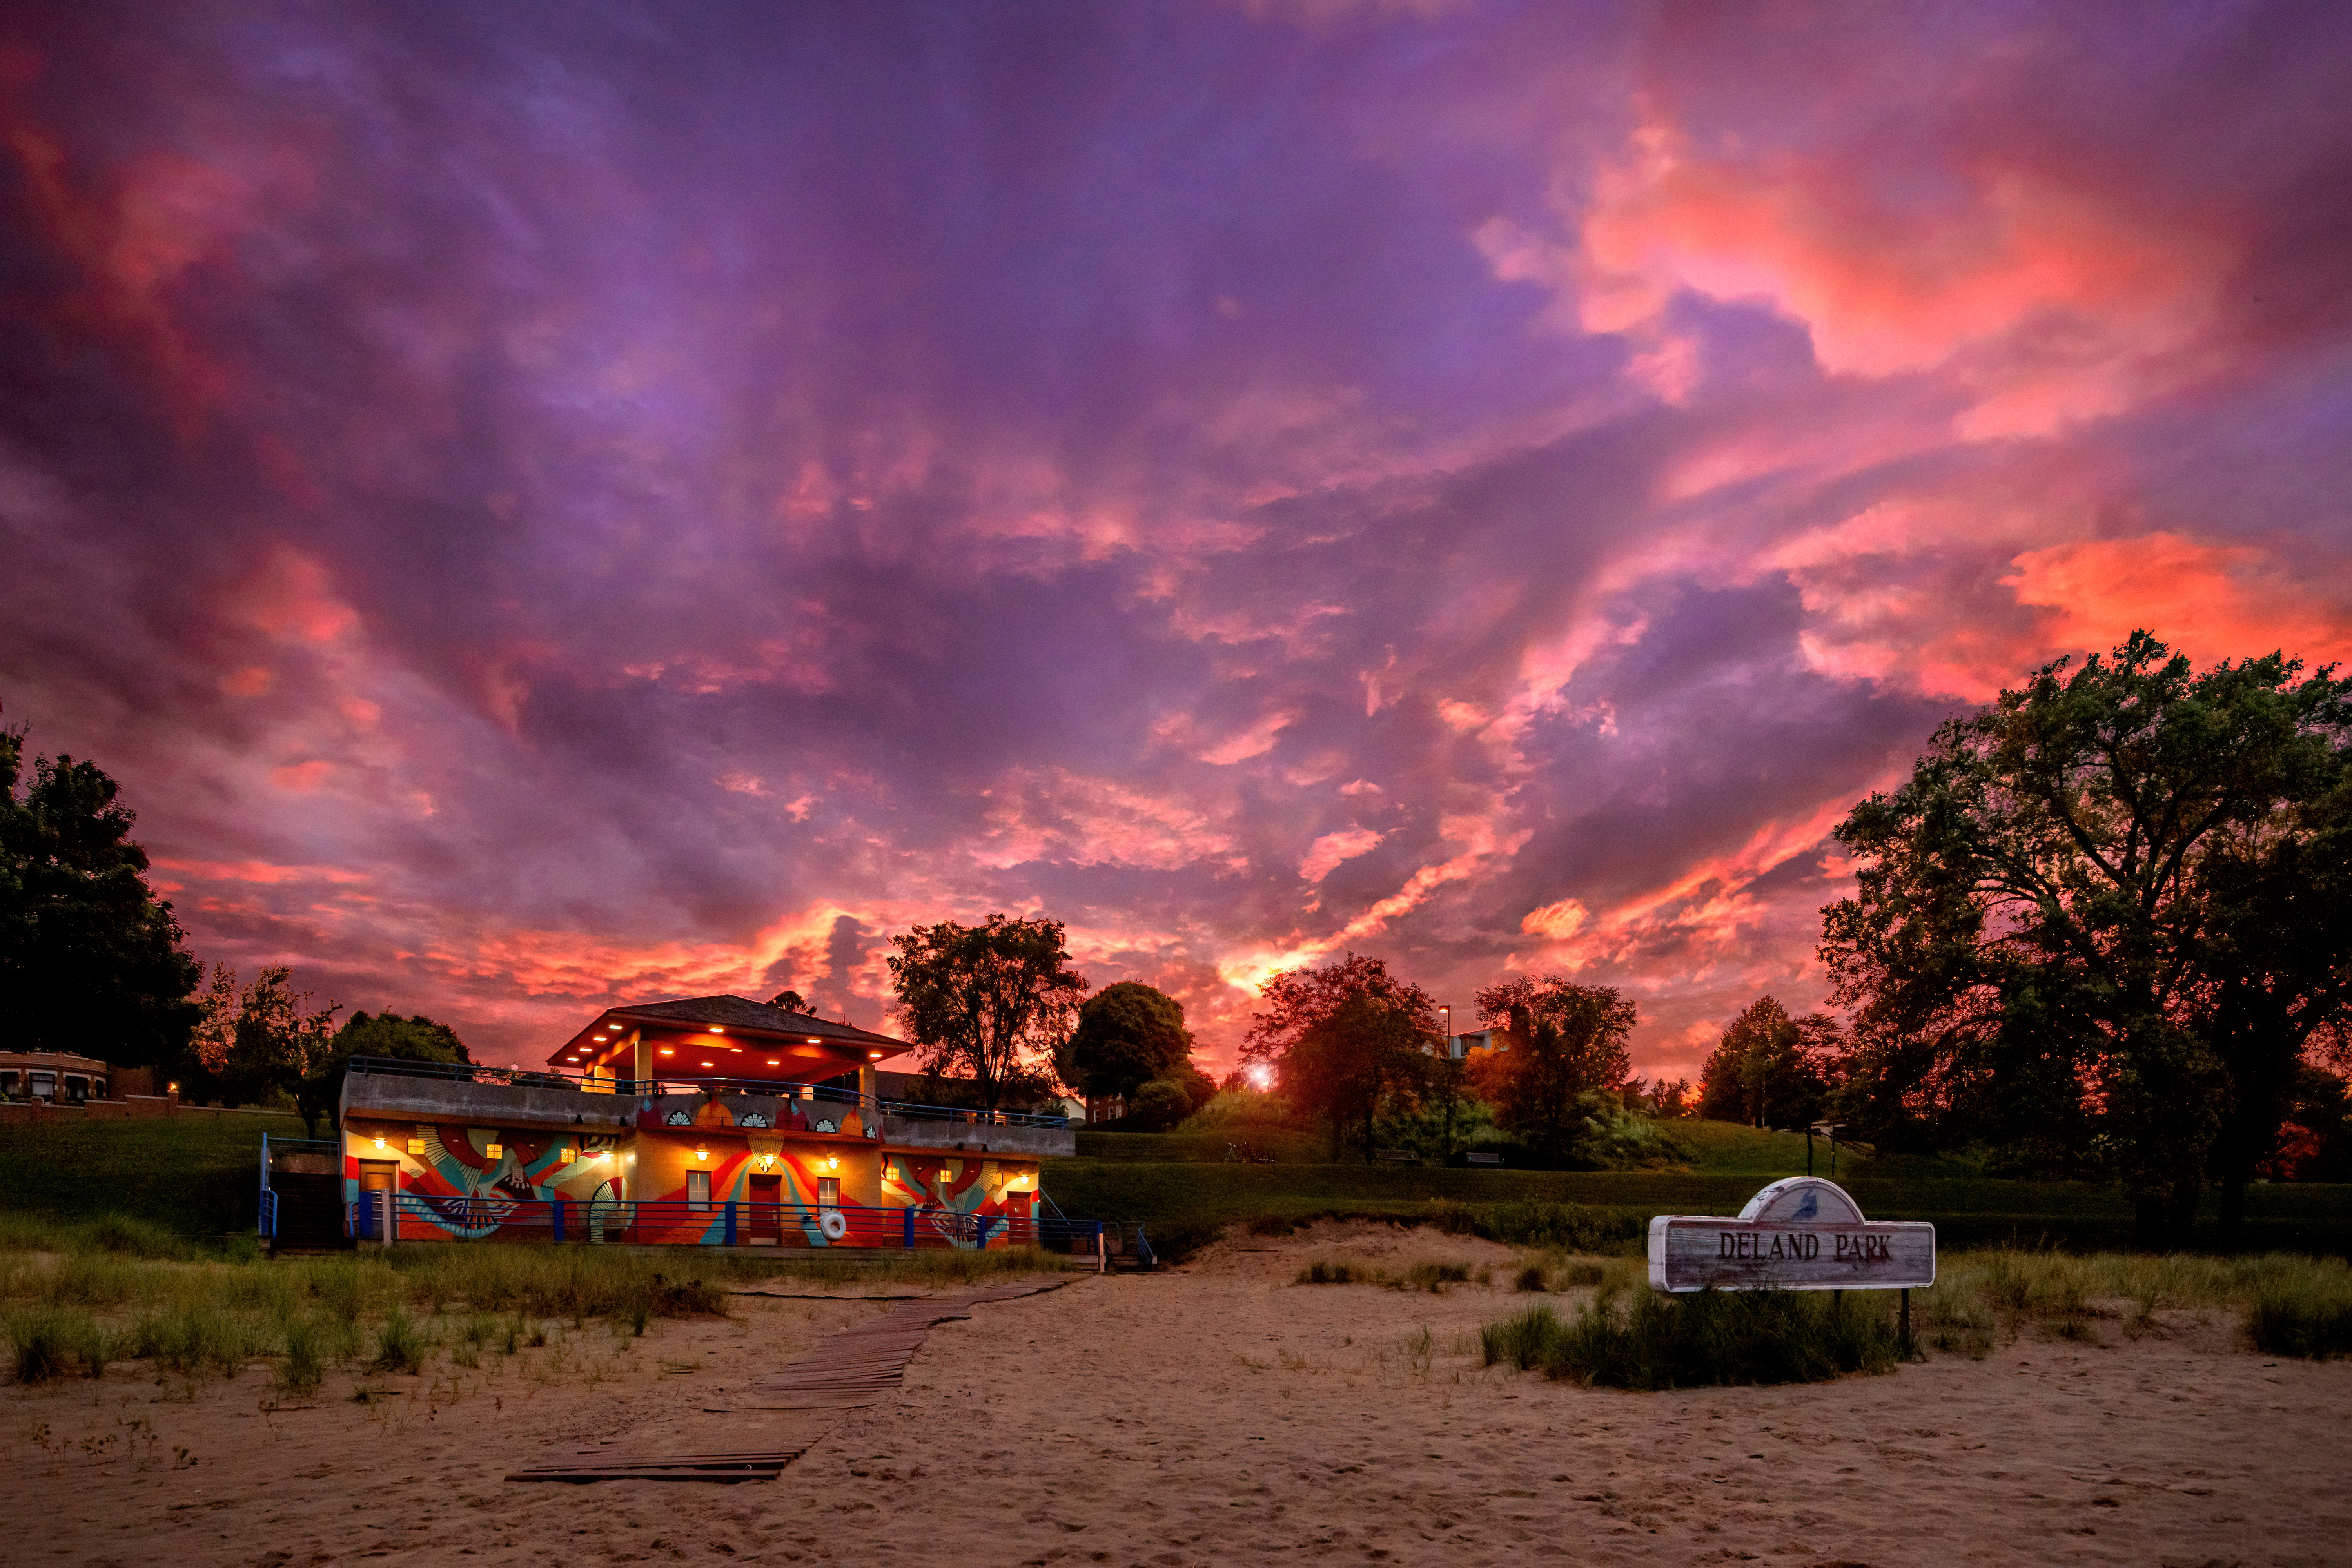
[846, 1370]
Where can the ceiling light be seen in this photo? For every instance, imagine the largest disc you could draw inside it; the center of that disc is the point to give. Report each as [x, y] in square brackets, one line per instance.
[668, 1052]
[717, 1030]
[815, 1041]
[709, 1064]
[774, 1062]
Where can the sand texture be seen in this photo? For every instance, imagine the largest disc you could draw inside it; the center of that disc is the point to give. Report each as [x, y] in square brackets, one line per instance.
[1215, 1413]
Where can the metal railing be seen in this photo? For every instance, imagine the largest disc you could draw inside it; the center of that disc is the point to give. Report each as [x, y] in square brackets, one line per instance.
[423, 1216]
[534, 1078]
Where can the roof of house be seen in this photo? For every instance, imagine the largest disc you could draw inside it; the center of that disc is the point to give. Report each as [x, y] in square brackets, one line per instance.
[741, 1012]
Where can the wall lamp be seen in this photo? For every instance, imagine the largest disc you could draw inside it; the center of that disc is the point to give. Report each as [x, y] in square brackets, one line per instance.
[702, 1153]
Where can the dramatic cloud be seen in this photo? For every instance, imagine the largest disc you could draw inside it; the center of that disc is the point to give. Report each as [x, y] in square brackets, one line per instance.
[547, 506]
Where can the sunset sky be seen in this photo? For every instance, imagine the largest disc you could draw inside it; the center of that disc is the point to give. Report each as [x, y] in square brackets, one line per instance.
[543, 506]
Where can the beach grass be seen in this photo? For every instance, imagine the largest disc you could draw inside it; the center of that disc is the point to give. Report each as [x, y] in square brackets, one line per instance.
[76, 1294]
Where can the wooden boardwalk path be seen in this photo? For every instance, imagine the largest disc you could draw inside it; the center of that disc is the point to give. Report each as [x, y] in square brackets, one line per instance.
[845, 1370]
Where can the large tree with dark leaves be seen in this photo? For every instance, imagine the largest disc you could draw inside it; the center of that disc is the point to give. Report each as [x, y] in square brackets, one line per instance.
[1346, 1041]
[91, 960]
[993, 1002]
[2104, 921]
[1565, 1045]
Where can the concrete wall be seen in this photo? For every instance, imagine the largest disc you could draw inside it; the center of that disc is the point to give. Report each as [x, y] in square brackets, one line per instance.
[396, 1098]
[915, 1131]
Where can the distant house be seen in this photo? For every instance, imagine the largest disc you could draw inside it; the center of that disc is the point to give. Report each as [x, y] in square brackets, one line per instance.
[54, 1076]
[702, 1121]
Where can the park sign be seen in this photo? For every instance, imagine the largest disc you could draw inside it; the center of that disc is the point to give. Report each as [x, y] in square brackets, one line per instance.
[1801, 1234]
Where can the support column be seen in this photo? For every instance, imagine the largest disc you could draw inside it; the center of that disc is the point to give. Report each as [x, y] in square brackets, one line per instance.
[869, 1100]
[641, 1054]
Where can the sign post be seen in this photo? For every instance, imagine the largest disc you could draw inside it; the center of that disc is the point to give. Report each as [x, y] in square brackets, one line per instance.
[1800, 1234]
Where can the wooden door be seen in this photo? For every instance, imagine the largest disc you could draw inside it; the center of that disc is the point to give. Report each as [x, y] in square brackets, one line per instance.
[767, 1213]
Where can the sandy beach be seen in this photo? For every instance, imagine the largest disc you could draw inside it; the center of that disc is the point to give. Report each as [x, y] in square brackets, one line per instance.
[1212, 1413]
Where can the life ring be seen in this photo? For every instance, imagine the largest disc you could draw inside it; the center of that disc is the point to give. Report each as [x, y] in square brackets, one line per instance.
[834, 1223]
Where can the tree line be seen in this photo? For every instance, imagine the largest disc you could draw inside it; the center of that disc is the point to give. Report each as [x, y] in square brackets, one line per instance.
[2102, 932]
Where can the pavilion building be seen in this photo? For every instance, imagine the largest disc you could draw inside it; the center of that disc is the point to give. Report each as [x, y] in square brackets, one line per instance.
[711, 1121]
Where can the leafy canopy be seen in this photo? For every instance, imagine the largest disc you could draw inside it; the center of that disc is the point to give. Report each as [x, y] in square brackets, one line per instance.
[415, 1038]
[1564, 1056]
[1769, 1069]
[2065, 938]
[993, 1002]
[1348, 1041]
[91, 960]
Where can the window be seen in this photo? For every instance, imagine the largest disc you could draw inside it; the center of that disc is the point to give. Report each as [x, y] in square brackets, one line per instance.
[829, 1192]
[98, 1088]
[44, 1085]
[76, 1088]
[8, 1084]
[697, 1189]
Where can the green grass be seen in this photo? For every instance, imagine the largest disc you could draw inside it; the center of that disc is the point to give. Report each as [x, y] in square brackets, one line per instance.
[195, 1175]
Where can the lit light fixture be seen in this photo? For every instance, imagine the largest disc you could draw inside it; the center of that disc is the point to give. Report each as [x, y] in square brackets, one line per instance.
[833, 1162]
[702, 1153]
[708, 1064]
[874, 1056]
[774, 1063]
[170, 1088]
[717, 1030]
[668, 1052]
[601, 1154]
[379, 1143]
[815, 1041]
[768, 1162]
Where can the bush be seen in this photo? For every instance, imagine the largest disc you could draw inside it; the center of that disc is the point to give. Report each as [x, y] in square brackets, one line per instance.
[50, 1342]
[1667, 1341]
[2300, 1317]
[305, 1368]
[398, 1346]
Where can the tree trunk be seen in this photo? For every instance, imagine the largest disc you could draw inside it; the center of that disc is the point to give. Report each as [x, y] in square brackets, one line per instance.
[2230, 1223]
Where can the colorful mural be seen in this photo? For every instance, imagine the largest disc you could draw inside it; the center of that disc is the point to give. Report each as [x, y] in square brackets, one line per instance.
[718, 1177]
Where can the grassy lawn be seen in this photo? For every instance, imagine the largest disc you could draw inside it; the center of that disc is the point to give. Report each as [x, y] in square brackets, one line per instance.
[1180, 1185]
[196, 1175]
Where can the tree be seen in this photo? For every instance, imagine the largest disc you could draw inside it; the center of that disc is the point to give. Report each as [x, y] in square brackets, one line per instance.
[1126, 1036]
[91, 960]
[997, 999]
[1768, 1069]
[1346, 1040]
[2057, 942]
[1563, 1043]
[415, 1038]
[272, 1041]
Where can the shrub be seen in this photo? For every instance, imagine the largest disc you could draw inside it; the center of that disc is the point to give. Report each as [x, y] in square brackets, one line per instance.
[1666, 1342]
[398, 1345]
[1434, 1277]
[52, 1341]
[1532, 1277]
[2300, 1317]
[305, 1368]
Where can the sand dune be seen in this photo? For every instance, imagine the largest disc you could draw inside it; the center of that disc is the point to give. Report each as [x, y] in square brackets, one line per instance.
[1219, 1414]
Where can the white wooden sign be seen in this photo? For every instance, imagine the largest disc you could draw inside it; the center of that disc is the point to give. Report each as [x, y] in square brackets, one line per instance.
[1801, 1234]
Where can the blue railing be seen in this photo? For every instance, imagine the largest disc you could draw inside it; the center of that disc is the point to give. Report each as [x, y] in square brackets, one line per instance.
[421, 1216]
[535, 1078]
